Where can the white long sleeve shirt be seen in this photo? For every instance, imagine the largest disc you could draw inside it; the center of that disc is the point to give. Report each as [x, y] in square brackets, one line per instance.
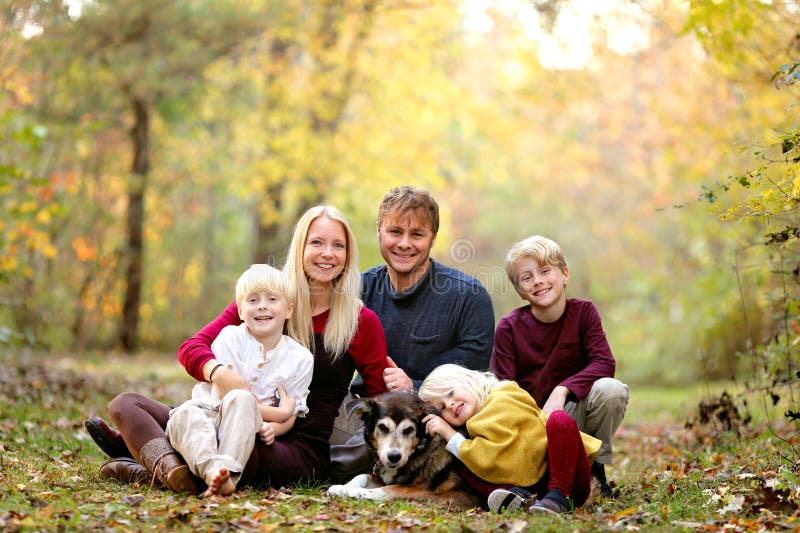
[289, 364]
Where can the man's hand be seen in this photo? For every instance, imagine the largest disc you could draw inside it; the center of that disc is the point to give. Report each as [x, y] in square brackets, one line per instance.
[266, 433]
[557, 400]
[435, 425]
[395, 378]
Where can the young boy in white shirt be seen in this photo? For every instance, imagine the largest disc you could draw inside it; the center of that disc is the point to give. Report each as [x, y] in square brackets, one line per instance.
[216, 435]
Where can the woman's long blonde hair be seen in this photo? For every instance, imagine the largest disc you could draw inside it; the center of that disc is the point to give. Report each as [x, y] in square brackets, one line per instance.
[444, 378]
[345, 301]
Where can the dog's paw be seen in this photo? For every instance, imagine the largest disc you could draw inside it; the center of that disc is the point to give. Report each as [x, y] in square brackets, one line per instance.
[368, 494]
[337, 491]
[361, 481]
[344, 491]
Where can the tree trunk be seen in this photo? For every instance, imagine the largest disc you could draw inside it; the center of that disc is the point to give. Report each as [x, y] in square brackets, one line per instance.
[129, 325]
[270, 237]
[269, 244]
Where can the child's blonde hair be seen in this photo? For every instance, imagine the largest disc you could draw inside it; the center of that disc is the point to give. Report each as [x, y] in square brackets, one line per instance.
[264, 278]
[345, 302]
[545, 251]
[445, 378]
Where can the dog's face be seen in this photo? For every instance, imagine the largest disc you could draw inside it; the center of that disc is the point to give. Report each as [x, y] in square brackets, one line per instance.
[393, 426]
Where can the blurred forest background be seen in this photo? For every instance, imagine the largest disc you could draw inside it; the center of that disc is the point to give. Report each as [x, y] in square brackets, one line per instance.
[150, 151]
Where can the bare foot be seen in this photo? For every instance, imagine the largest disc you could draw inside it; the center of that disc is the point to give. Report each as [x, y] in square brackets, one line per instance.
[221, 484]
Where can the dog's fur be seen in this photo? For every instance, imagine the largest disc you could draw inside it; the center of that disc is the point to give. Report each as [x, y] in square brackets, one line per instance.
[410, 463]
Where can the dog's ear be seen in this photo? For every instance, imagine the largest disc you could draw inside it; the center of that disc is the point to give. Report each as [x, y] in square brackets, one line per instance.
[351, 407]
[430, 409]
[423, 410]
[365, 409]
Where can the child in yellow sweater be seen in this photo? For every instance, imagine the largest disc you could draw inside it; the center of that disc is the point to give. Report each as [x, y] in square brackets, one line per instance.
[514, 450]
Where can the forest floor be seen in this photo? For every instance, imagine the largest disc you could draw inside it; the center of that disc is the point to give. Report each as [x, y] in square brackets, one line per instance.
[717, 475]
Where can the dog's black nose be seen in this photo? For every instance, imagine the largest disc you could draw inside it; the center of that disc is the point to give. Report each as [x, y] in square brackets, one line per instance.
[394, 457]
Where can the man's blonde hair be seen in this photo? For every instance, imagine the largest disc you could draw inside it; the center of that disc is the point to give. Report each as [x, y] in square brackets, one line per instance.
[445, 378]
[545, 251]
[264, 278]
[408, 200]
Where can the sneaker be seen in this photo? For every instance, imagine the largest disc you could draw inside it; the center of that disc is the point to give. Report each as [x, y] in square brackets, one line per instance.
[603, 490]
[509, 499]
[547, 505]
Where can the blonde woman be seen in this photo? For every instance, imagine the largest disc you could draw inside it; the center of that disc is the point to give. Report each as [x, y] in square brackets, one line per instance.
[329, 319]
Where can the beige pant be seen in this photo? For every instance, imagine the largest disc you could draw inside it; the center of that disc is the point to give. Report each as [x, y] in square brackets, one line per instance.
[209, 440]
[601, 412]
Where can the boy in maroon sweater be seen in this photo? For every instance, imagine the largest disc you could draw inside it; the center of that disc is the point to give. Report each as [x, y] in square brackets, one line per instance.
[556, 349]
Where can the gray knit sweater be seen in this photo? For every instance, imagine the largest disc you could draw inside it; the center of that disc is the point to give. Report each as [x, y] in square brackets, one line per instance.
[447, 317]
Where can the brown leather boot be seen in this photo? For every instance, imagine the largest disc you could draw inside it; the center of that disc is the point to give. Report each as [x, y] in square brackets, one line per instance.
[168, 467]
[126, 470]
[107, 438]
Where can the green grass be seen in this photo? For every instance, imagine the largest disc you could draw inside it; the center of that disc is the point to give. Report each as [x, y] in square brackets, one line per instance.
[669, 405]
[670, 478]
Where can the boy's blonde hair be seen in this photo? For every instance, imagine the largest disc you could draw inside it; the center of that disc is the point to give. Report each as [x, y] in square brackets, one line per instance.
[264, 278]
[545, 251]
[445, 378]
[345, 302]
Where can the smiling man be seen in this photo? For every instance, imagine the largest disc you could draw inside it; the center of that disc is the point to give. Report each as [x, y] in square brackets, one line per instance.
[432, 314]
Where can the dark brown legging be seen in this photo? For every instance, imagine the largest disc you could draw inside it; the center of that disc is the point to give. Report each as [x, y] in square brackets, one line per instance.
[139, 419]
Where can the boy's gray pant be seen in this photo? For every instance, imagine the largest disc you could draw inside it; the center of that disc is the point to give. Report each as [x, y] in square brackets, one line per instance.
[209, 439]
[601, 412]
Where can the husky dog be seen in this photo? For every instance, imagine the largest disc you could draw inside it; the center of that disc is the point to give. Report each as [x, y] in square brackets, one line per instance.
[410, 463]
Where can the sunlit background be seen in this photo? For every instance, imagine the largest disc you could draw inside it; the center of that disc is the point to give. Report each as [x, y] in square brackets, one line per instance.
[600, 124]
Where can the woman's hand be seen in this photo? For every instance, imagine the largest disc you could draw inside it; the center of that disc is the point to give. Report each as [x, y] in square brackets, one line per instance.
[395, 378]
[435, 425]
[266, 433]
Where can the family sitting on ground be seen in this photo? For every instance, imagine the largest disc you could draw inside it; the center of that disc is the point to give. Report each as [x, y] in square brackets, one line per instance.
[275, 371]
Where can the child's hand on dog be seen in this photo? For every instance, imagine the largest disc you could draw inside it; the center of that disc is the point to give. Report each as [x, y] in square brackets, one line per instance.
[435, 425]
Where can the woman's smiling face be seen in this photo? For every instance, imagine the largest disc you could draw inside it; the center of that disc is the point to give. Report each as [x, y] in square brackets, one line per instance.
[325, 252]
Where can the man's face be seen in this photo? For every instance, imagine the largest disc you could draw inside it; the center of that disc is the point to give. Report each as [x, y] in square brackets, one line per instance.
[406, 240]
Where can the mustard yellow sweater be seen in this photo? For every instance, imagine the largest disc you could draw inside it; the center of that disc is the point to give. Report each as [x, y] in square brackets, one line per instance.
[508, 440]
